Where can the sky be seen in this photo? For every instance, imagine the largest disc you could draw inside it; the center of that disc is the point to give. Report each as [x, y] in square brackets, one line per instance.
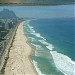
[43, 11]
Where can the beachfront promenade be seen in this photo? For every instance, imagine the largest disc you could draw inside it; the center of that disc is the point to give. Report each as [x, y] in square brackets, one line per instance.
[19, 61]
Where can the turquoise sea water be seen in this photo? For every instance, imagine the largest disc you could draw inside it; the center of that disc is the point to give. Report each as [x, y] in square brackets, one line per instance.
[53, 41]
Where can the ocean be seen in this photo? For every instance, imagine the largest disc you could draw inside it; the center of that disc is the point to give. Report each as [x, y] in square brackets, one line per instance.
[53, 42]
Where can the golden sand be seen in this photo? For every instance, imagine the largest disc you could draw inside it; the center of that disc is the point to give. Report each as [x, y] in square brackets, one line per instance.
[19, 56]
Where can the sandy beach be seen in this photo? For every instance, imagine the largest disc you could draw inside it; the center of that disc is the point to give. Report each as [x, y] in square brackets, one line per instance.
[19, 62]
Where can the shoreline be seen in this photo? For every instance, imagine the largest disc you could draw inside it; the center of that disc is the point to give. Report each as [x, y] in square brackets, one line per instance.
[20, 56]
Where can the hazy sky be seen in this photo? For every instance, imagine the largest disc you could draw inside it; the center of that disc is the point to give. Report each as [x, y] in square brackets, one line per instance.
[42, 11]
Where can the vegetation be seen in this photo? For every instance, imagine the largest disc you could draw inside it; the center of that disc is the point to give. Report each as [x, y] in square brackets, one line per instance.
[3, 33]
[7, 19]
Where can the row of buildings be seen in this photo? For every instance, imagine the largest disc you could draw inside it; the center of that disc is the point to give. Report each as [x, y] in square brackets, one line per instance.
[8, 23]
[5, 26]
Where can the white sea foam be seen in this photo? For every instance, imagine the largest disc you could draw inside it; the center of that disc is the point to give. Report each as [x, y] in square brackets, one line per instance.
[38, 35]
[31, 38]
[34, 33]
[37, 69]
[32, 30]
[44, 42]
[43, 38]
[50, 47]
[37, 46]
[63, 63]
[29, 26]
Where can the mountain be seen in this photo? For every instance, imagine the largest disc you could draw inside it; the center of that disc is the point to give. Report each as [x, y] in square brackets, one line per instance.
[7, 14]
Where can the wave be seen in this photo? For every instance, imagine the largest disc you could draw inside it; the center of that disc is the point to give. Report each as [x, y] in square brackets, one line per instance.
[30, 26]
[48, 45]
[43, 42]
[37, 69]
[32, 30]
[32, 39]
[38, 47]
[34, 33]
[63, 63]
[38, 35]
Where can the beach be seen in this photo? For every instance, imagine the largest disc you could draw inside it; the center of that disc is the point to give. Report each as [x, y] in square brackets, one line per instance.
[19, 61]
